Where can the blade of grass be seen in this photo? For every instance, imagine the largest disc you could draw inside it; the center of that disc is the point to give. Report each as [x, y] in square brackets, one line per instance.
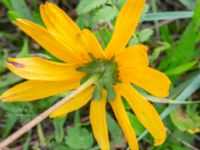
[168, 15]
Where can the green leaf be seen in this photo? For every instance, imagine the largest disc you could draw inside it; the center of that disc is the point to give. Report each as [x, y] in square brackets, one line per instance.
[58, 124]
[83, 20]
[145, 35]
[9, 79]
[10, 122]
[79, 138]
[183, 122]
[106, 13]
[86, 6]
[163, 46]
[137, 126]
[114, 129]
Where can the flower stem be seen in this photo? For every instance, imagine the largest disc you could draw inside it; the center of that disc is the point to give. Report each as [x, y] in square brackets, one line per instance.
[46, 113]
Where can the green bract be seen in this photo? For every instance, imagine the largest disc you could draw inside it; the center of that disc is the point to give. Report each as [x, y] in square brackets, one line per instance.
[107, 71]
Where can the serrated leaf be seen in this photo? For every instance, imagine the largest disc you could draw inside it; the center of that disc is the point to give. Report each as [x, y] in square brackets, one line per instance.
[145, 11]
[106, 13]
[58, 124]
[145, 35]
[86, 6]
[79, 138]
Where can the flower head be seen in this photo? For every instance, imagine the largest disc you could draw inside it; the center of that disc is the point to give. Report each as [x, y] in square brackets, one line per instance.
[118, 67]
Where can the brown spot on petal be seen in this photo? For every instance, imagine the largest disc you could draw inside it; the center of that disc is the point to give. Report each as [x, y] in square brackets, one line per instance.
[18, 65]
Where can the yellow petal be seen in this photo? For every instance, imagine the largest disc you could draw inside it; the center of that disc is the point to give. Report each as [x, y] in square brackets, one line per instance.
[57, 21]
[153, 81]
[125, 25]
[47, 41]
[62, 27]
[77, 102]
[35, 68]
[98, 122]
[132, 56]
[33, 90]
[145, 112]
[123, 120]
[89, 42]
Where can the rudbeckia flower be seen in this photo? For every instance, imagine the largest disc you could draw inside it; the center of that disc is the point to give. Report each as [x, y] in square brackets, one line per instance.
[118, 68]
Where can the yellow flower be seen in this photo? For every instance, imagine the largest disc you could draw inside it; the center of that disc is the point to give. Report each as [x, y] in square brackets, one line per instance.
[117, 66]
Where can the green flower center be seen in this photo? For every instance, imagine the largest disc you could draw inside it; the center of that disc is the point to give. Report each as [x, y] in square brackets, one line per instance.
[107, 71]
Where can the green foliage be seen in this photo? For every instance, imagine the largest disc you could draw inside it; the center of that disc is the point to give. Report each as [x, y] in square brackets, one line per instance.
[144, 35]
[59, 131]
[114, 129]
[24, 51]
[86, 6]
[18, 8]
[137, 126]
[3, 58]
[184, 52]
[79, 138]
[106, 13]
[184, 122]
